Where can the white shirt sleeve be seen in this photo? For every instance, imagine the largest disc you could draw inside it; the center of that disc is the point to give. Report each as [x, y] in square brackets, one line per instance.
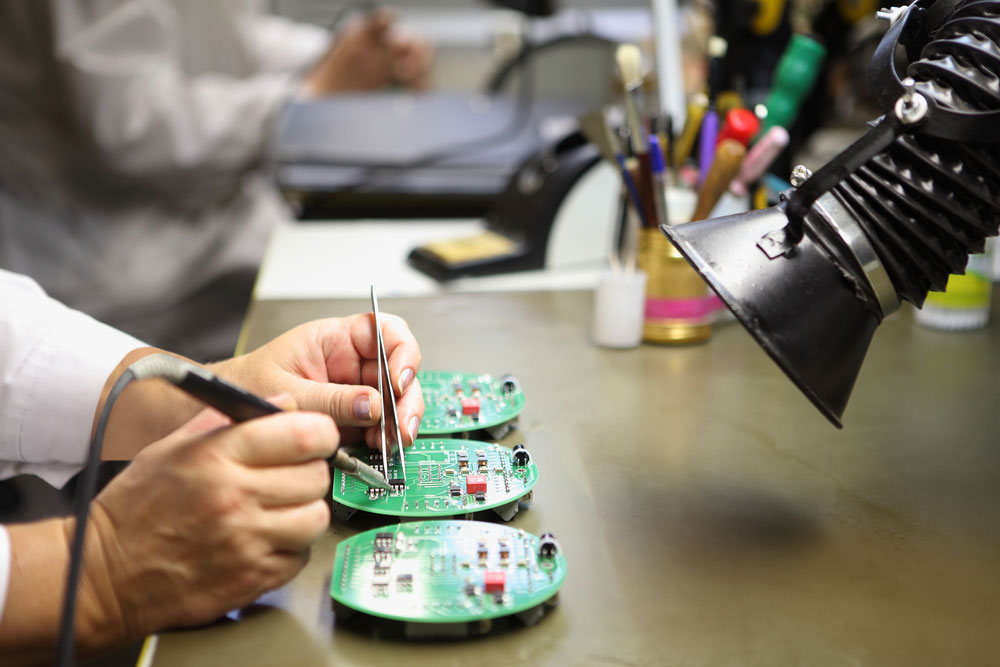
[54, 362]
[282, 45]
[4, 567]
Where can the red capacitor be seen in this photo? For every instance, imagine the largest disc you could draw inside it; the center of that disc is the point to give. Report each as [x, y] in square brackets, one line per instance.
[493, 582]
[741, 125]
[474, 483]
[470, 406]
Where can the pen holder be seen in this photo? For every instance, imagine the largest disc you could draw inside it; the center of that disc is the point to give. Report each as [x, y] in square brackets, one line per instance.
[679, 305]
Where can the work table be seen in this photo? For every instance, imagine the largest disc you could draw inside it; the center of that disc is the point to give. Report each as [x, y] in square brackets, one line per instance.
[709, 514]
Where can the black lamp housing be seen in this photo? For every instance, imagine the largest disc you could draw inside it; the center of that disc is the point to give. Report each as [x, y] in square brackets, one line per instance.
[886, 220]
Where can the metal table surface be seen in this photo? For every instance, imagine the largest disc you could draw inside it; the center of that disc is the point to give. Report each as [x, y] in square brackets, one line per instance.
[710, 515]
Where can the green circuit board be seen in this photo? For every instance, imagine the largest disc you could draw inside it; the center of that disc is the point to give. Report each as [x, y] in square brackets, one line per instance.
[444, 477]
[447, 571]
[462, 402]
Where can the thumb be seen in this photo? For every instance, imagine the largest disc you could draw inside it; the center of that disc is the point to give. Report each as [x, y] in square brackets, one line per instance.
[348, 404]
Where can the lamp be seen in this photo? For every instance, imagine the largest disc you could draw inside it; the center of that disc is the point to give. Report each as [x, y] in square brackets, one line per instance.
[886, 220]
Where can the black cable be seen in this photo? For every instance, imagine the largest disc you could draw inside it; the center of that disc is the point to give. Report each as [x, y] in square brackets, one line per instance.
[85, 492]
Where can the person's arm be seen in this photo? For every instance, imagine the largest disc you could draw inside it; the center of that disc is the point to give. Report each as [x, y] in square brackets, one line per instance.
[54, 362]
[133, 99]
[370, 54]
[327, 365]
[203, 521]
[283, 45]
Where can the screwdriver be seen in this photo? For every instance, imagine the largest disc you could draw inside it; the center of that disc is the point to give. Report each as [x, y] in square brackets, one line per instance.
[240, 405]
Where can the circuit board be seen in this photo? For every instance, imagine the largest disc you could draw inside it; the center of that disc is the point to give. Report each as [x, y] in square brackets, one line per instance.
[444, 477]
[463, 402]
[447, 572]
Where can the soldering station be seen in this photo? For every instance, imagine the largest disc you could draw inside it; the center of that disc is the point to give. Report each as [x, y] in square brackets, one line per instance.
[578, 268]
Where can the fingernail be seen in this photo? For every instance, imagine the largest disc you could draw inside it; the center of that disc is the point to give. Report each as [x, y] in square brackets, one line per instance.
[405, 378]
[363, 408]
[414, 426]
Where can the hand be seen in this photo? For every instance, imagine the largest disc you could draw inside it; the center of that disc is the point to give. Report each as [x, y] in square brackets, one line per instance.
[330, 366]
[206, 520]
[370, 55]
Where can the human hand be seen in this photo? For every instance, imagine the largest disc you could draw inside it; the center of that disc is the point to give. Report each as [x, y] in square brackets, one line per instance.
[330, 366]
[369, 55]
[206, 520]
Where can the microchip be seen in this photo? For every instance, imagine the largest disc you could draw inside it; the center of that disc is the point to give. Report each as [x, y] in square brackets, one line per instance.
[475, 484]
[404, 582]
[383, 557]
[397, 483]
[470, 406]
[494, 581]
[383, 540]
[480, 496]
[470, 590]
[456, 490]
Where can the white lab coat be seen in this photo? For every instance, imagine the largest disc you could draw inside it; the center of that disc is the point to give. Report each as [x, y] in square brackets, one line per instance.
[132, 143]
[54, 362]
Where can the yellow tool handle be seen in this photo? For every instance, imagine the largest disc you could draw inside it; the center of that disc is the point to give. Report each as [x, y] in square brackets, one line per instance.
[728, 157]
[696, 109]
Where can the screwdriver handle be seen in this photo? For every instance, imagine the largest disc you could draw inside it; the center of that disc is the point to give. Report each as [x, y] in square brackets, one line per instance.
[728, 158]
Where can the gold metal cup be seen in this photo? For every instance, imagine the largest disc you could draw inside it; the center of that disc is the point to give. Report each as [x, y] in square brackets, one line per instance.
[677, 298]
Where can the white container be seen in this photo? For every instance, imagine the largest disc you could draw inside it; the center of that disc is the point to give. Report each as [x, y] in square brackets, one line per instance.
[619, 309]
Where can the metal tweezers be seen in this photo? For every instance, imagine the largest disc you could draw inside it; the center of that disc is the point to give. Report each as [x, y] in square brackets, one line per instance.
[383, 369]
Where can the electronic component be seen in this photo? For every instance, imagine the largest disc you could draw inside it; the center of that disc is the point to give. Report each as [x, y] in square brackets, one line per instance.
[520, 455]
[433, 469]
[397, 483]
[493, 582]
[475, 484]
[383, 539]
[547, 546]
[461, 402]
[428, 587]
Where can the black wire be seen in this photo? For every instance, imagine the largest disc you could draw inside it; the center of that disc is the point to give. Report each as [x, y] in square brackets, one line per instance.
[85, 492]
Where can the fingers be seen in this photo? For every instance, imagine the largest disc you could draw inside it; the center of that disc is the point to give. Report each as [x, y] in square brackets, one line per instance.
[401, 350]
[410, 410]
[379, 22]
[282, 439]
[294, 528]
[349, 405]
[282, 486]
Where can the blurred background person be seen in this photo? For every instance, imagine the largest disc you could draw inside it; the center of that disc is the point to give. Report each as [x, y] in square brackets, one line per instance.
[133, 145]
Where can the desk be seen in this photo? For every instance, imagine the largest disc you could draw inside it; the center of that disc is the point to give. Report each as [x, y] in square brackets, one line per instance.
[709, 514]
